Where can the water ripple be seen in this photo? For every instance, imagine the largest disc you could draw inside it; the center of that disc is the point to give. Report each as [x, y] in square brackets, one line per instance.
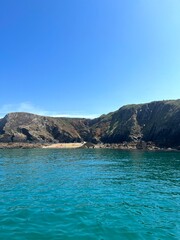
[89, 194]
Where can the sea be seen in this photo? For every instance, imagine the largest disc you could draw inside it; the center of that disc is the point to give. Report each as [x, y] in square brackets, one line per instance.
[103, 194]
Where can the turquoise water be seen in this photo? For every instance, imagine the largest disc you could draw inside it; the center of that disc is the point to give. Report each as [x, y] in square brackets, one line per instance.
[89, 194]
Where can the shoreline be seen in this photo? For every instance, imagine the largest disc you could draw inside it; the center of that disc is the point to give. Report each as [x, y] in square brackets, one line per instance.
[64, 145]
[85, 145]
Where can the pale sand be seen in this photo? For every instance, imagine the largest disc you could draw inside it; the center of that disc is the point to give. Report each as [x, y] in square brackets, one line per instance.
[65, 145]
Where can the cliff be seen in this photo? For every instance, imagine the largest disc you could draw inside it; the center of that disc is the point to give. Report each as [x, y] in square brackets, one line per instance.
[157, 122]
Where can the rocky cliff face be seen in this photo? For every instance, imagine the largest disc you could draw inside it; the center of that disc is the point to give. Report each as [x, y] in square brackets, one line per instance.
[157, 122]
[22, 127]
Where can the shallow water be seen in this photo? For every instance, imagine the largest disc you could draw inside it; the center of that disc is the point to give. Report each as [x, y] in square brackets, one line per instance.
[89, 194]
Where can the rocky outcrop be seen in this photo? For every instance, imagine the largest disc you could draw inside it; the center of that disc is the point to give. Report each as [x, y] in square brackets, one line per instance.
[26, 127]
[155, 123]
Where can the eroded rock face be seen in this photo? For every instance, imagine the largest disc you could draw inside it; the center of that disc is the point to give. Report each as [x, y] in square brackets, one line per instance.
[155, 122]
[18, 127]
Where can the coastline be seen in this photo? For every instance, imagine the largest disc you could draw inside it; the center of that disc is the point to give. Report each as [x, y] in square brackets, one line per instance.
[85, 145]
[135, 126]
[64, 145]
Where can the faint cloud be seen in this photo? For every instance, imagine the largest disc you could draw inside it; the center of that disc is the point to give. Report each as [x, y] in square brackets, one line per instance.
[30, 108]
[21, 107]
[90, 116]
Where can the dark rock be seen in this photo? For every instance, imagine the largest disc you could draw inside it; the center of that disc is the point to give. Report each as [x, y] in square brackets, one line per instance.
[141, 145]
[88, 145]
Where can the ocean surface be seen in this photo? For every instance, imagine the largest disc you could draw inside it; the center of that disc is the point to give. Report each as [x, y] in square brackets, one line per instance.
[89, 194]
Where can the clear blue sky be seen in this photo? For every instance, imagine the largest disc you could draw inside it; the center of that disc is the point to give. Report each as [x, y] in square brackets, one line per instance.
[87, 57]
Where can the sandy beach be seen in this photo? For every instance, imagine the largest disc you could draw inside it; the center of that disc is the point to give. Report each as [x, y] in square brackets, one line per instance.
[65, 145]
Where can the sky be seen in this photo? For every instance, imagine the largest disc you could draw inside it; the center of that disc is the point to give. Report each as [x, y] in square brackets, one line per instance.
[87, 57]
